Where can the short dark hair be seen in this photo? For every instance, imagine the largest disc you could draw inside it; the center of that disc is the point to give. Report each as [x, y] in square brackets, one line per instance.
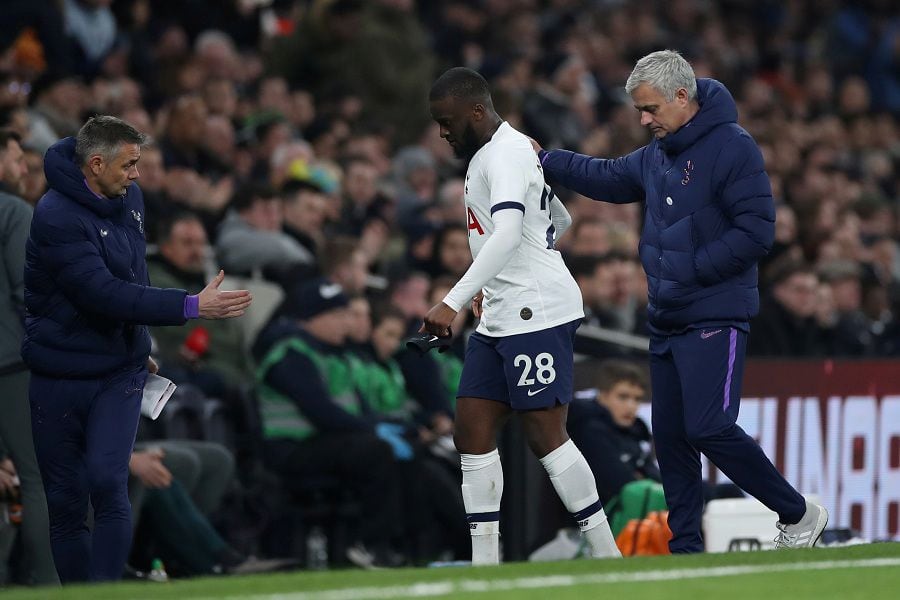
[249, 193]
[167, 225]
[383, 311]
[8, 135]
[104, 135]
[786, 267]
[463, 83]
[338, 251]
[615, 371]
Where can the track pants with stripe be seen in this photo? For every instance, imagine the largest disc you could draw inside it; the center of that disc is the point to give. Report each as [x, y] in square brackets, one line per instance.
[696, 386]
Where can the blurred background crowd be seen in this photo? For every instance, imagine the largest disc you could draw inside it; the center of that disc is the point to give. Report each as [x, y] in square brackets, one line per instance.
[292, 144]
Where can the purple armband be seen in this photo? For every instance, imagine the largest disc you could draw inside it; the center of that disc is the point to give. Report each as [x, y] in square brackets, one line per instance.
[542, 156]
[191, 306]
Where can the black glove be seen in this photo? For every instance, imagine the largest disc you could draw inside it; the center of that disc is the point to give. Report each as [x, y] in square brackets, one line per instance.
[423, 342]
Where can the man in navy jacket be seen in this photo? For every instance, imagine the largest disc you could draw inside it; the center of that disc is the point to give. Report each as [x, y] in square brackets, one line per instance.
[88, 301]
[709, 218]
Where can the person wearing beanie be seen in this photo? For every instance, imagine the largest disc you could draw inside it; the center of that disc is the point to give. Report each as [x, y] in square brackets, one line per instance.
[315, 424]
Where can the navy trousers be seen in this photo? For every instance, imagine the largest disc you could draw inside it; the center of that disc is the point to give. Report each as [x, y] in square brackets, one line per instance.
[696, 390]
[83, 436]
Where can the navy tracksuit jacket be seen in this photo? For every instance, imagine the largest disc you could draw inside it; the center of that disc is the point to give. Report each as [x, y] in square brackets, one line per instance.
[709, 218]
[88, 302]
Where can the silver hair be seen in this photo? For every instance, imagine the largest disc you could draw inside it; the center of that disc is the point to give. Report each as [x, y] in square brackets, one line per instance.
[105, 135]
[666, 71]
[211, 38]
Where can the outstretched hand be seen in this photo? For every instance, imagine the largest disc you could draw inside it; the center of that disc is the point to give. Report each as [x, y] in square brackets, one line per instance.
[219, 304]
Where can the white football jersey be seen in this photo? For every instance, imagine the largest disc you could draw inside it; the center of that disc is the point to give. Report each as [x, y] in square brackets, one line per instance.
[534, 289]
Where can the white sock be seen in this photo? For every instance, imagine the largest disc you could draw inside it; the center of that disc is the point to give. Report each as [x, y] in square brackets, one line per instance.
[482, 488]
[574, 483]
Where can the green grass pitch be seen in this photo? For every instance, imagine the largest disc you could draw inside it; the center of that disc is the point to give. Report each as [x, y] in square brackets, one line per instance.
[867, 572]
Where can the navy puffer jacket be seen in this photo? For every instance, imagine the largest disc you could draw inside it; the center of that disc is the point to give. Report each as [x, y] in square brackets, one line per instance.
[87, 294]
[709, 214]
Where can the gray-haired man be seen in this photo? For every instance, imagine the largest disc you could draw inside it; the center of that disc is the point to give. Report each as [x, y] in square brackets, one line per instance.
[709, 217]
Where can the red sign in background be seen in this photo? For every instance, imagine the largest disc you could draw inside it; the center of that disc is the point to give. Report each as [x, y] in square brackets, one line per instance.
[833, 428]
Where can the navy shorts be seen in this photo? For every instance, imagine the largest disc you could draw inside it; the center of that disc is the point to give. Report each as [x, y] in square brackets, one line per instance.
[527, 371]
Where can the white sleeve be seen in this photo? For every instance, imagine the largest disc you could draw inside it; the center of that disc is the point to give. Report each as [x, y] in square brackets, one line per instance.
[496, 252]
[559, 216]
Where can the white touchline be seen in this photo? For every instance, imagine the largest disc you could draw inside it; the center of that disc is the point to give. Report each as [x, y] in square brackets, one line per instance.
[443, 588]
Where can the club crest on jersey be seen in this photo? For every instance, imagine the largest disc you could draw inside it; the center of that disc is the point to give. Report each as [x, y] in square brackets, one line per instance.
[140, 220]
[473, 223]
[688, 167]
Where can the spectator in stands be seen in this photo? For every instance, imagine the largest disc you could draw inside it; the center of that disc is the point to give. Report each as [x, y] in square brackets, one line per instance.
[589, 237]
[461, 325]
[158, 206]
[251, 237]
[597, 278]
[92, 26]
[305, 206]
[314, 422]
[175, 485]
[451, 255]
[345, 263]
[361, 197]
[605, 426]
[415, 180]
[59, 101]
[786, 325]
[183, 145]
[35, 181]
[210, 355]
[551, 109]
[431, 492]
[15, 414]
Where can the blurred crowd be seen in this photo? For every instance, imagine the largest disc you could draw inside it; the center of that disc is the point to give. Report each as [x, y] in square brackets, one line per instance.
[292, 144]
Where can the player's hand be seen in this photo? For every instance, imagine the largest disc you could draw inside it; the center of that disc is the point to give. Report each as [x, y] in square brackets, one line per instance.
[152, 367]
[535, 145]
[476, 304]
[437, 321]
[218, 304]
[9, 481]
[147, 466]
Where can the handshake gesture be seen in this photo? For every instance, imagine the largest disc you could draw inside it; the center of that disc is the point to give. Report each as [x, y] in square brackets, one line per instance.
[221, 304]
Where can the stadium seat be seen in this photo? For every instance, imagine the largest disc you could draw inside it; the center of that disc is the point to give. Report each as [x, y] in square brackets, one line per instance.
[182, 418]
[217, 426]
[267, 296]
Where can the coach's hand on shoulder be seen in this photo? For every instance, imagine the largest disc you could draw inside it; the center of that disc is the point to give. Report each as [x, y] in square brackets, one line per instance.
[438, 319]
[219, 304]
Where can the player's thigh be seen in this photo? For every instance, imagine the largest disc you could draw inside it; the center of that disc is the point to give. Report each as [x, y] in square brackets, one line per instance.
[539, 367]
[483, 375]
[478, 421]
[482, 404]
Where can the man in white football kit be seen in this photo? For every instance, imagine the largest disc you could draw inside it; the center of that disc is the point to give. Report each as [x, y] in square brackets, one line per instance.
[520, 357]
